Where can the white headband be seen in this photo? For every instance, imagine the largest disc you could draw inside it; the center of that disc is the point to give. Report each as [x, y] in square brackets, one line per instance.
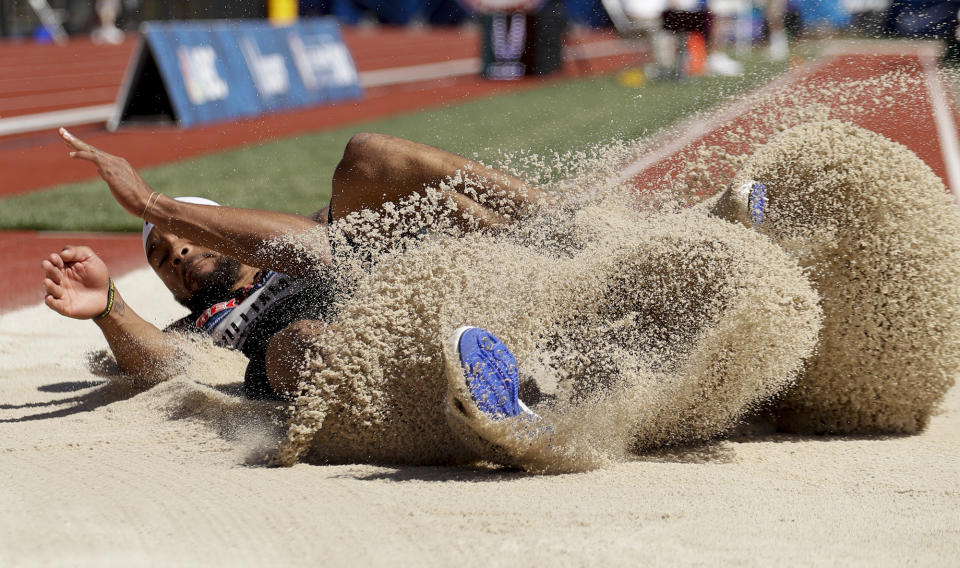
[147, 227]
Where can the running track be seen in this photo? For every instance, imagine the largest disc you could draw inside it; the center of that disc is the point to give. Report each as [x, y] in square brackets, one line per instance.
[925, 122]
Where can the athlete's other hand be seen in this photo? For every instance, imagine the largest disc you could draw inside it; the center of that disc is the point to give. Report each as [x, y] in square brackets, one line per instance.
[126, 185]
[76, 283]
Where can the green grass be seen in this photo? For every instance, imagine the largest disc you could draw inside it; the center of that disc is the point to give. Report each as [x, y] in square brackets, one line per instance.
[294, 174]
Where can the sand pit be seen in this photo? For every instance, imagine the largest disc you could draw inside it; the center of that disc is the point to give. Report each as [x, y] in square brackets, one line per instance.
[683, 324]
[156, 477]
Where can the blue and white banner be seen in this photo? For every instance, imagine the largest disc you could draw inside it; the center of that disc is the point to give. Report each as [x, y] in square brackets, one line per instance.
[232, 69]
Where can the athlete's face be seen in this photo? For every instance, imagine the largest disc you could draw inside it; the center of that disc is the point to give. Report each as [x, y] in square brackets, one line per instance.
[196, 276]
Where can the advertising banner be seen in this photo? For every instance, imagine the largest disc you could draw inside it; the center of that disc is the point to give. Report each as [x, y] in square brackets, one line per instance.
[194, 73]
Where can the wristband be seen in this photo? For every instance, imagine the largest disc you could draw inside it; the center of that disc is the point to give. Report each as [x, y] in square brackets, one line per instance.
[110, 293]
[151, 201]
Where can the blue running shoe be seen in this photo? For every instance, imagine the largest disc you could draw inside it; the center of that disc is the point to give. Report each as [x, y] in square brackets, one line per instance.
[745, 204]
[757, 202]
[491, 372]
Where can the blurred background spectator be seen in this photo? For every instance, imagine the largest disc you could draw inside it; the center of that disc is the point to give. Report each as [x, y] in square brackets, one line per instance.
[107, 31]
[732, 24]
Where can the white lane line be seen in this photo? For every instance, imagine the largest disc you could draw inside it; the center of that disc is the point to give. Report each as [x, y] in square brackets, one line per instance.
[883, 47]
[677, 137]
[48, 120]
[946, 127]
[603, 48]
[417, 73]
[471, 65]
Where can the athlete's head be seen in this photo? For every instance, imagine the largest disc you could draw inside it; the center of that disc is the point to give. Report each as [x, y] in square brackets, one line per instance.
[197, 276]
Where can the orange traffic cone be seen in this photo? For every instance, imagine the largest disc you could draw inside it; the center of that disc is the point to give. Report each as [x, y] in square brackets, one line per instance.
[696, 54]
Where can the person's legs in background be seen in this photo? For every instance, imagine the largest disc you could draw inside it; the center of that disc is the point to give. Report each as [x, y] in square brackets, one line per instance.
[724, 14]
[777, 49]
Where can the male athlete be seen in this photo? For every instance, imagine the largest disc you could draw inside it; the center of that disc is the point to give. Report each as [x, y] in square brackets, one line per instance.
[225, 264]
[249, 291]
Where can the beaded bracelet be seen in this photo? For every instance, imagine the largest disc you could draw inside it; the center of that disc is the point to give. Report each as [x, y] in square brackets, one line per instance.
[110, 293]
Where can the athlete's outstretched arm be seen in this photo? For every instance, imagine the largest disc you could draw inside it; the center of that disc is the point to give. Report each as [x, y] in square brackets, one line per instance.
[377, 168]
[244, 234]
[77, 285]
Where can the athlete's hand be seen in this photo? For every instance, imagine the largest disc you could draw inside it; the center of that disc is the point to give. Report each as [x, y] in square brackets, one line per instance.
[126, 185]
[76, 283]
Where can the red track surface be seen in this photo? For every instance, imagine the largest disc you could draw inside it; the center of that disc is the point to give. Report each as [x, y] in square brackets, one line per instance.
[910, 121]
[22, 251]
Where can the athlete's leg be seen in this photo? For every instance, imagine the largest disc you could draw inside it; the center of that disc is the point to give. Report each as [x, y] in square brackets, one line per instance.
[745, 203]
[377, 169]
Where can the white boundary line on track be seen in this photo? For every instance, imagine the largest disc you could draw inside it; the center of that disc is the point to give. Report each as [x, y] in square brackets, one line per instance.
[48, 120]
[675, 138]
[927, 53]
[471, 65]
[946, 127]
[375, 78]
[422, 72]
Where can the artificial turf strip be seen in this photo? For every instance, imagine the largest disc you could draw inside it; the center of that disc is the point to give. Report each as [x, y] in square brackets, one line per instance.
[293, 175]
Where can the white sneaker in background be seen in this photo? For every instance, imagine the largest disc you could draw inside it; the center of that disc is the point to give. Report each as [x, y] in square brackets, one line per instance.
[107, 34]
[719, 63]
[778, 50]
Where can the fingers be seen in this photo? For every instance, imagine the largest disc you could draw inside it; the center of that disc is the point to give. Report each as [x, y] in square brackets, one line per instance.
[55, 260]
[75, 142]
[68, 254]
[85, 155]
[52, 288]
[54, 278]
[75, 254]
[58, 305]
[52, 272]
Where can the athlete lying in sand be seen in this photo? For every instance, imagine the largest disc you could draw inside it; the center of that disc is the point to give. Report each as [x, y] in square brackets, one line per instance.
[226, 266]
